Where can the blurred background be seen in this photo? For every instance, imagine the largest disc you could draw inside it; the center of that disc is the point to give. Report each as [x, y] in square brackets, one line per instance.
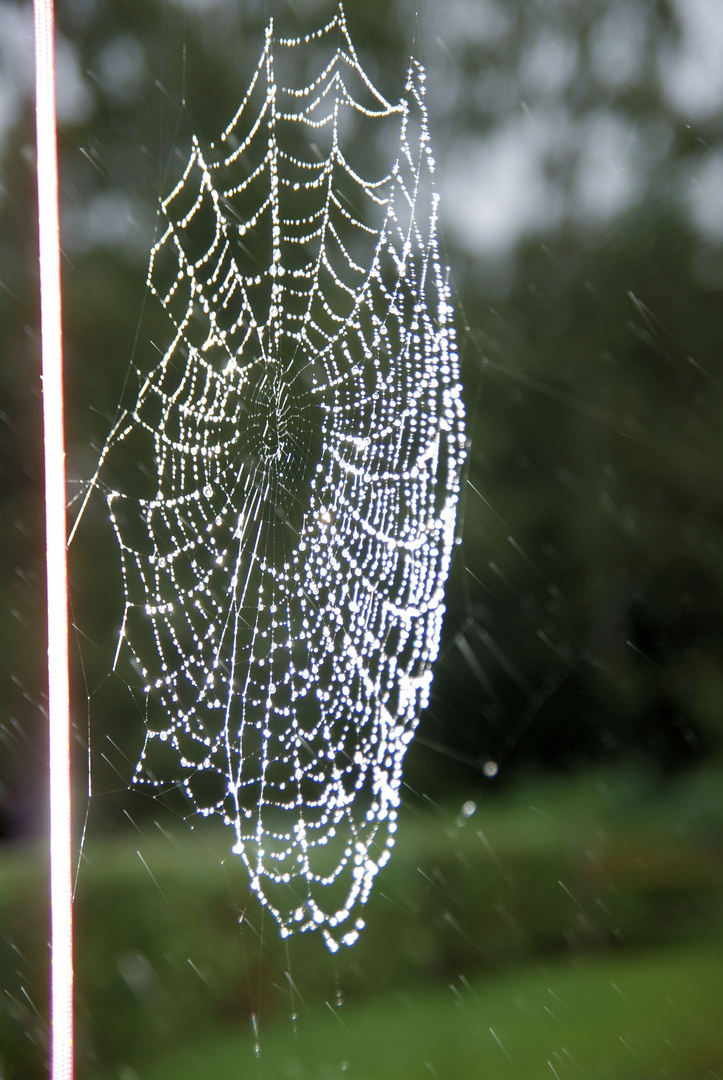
[555, 899]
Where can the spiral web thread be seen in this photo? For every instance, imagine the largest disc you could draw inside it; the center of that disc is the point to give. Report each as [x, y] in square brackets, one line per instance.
[302, 439]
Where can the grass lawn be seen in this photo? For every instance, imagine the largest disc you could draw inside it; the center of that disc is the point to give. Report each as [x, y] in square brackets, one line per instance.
[628, 1016]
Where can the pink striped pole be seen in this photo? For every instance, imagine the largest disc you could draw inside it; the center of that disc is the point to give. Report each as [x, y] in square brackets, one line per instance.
[61, 921]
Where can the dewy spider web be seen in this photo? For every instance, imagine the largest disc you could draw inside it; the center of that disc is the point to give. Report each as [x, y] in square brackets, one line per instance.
[284, 573]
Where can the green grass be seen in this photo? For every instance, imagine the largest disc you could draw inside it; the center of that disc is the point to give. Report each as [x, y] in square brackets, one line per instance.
[547, 872]
[615, 1017]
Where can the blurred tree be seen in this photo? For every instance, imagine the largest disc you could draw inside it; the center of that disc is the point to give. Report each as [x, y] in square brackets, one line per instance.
[580, 150]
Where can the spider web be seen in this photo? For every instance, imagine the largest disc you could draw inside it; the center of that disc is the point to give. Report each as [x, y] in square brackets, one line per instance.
[297, 453]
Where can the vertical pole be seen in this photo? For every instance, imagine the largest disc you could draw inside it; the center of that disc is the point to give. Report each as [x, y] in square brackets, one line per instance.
[61, 921]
